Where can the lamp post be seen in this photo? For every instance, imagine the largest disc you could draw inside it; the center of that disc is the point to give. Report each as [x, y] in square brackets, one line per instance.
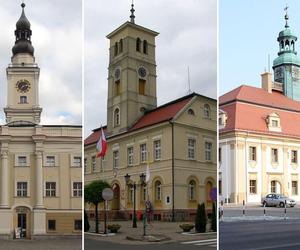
[133, 185]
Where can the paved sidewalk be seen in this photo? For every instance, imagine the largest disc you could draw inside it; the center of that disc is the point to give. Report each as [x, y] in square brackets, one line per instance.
[168, 229]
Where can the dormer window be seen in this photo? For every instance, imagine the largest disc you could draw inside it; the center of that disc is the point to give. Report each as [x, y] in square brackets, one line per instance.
[191, 112]
[222, 119]
[206, 111]
[273, 122]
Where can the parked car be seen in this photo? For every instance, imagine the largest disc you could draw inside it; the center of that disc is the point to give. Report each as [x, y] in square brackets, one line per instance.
[277, 200]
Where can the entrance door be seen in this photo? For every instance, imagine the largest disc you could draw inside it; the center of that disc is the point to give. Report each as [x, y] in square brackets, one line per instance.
[116, 199]
[22, 224]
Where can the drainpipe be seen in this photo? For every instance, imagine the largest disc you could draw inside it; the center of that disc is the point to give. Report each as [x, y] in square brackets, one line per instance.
[173, 175]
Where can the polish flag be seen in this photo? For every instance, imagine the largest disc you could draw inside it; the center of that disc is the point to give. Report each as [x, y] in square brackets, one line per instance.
[101, 145]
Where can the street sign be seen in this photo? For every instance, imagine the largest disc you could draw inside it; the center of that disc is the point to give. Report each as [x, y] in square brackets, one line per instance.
[107, 194]
[213, 194]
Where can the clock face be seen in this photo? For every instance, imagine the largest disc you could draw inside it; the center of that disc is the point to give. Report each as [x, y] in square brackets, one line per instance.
[142, 72]
[117, 73]
[23, 86]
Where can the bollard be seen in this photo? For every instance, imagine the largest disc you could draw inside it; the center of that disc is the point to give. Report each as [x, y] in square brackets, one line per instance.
[285, 209]
[243, 207]
[222, 210]
[264, 211]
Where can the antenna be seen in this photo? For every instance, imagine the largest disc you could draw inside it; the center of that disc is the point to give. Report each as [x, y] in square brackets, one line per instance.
[189, 82]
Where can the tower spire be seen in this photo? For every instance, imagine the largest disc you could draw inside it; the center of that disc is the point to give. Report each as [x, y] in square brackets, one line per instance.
[286, 16]
[132, 16]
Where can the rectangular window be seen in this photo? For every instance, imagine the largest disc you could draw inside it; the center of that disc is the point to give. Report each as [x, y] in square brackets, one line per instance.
[77, 189]
[50, 161]
[52, 225]
[22, 161]
[23, 99]
[252, 153]
[274, 123]
[157, 150]
[274, 154]
[78, 224]
[22, 189]
[208, 148]
[143, 150]
[116, 159]
[50, 189]
[142, 86]
[85, 165]
[294, 156]
[93, 163]
[130, 156]
[117, 87]
[77, 161]
[252, 187]
[191, 148]
[294, 187]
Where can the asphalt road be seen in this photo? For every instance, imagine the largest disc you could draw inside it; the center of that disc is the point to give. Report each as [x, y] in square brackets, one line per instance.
[260, 235]
[190, 245]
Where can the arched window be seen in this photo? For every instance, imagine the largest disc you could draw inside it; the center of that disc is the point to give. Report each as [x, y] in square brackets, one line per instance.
[281, 45]
[117, 117]
[121, 45]
[116, 49]
[192, 190]
[208, 188]
[138, 44]
[157, 186]
[117, 87]
[191, 112]
[287, 45]
[145, 47]
[293, 45]
[206, 111]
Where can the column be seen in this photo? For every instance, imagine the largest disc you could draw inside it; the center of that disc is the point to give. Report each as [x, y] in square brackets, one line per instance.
[39, 180]
[4, 181]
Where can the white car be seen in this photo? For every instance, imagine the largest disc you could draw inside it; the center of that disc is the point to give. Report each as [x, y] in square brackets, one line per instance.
[277, 200]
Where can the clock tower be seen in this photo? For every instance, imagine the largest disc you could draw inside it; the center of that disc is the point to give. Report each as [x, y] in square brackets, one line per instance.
[22, 77]
[287, 65]
[131, 75]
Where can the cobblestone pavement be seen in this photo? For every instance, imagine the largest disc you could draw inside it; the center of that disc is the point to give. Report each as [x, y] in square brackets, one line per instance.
[169, 229]
[47, 244]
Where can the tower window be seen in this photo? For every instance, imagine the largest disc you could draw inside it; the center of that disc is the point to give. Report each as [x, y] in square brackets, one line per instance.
[142, 86]
[117, 117]
[23, 99]
[206, 111]
[145, 47]
[117, 87]
[138, 44]
[121, 45]
[116, 49]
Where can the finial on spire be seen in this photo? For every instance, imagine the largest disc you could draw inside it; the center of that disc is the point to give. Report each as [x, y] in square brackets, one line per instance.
[23, 4]
[132, 16]
[286, 16]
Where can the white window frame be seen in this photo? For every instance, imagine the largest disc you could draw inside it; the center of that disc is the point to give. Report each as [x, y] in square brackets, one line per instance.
[72, 160]
[50, 189]
[22, 190]
[277, 156]
[143, 153]
[208, 151]
[157, 150]
[292, 158]
[130, 156]
[93, 164]
[18, 164]
[206, 111]
[192, 190]
[295, 188]
[116, 159]
[252, 186]
[191, 148]
[77, 191]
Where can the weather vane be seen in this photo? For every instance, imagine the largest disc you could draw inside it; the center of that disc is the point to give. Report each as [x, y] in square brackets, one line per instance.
[286, 17]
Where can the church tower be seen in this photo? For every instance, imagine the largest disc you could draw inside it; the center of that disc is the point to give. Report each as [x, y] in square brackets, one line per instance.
[23, 77]
[287, 65]
[131, 75]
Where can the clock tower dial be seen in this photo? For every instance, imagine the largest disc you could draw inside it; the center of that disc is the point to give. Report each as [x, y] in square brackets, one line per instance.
[23, 86]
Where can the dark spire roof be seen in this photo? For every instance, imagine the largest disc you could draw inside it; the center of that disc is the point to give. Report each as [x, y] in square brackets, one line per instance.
[23, 35]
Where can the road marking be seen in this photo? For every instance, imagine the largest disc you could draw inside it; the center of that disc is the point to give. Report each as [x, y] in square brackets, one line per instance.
[206, 243]
[198, 241]
[277, 246]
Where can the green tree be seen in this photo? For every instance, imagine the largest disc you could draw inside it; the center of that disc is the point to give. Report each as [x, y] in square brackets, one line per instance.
[201, 219]
[93, 195]
[214, 218]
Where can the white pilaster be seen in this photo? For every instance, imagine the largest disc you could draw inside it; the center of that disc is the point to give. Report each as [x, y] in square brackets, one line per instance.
[4, 181]
[39, 180]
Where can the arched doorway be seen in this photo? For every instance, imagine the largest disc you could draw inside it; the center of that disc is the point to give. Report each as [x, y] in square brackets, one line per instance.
[22, 222]
[275, 187]
[116, 199]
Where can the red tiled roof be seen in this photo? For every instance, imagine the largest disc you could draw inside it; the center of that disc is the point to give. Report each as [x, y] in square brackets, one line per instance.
[94, 137]
[247, 109]
[161, 114]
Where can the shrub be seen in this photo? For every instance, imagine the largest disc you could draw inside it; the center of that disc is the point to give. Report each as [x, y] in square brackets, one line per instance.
[114, 228]
[186, 227]
[86, 222]
[201, 219]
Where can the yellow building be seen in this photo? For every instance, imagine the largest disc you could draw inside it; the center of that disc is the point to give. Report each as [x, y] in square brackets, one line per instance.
[178, 139]
[40, 167]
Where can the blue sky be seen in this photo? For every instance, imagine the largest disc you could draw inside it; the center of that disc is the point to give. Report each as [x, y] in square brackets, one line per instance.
[248, 32]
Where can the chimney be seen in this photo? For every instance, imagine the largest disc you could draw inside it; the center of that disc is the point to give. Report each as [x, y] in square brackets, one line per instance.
[266, 81]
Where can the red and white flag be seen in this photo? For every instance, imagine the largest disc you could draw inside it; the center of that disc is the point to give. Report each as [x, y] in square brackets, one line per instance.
[101, 145]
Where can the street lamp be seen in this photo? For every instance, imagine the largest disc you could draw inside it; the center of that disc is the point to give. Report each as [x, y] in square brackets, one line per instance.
[133, 185]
